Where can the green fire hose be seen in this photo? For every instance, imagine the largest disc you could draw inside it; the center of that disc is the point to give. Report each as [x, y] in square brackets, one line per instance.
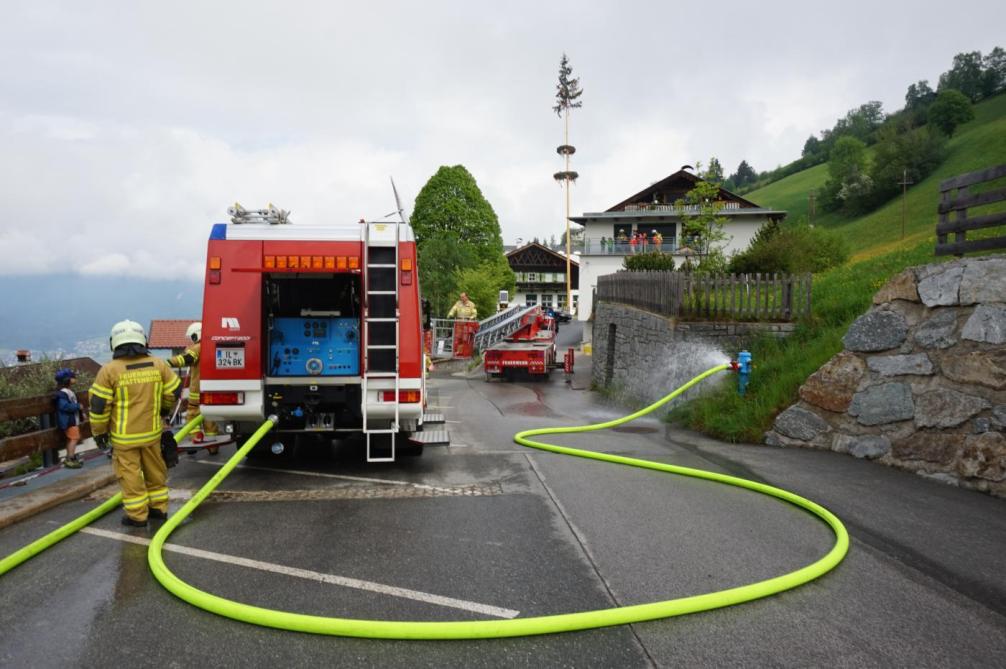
[484, 629]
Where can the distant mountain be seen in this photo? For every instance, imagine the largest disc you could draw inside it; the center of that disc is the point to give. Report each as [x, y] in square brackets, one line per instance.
[73, 314]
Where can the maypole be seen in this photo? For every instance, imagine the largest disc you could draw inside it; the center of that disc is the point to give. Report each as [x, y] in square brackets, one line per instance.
[567, 91]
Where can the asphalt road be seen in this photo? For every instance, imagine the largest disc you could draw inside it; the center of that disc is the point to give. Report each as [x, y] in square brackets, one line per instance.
[486, 528]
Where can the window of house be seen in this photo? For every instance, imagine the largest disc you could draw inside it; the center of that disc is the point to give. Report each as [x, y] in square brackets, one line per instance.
[560, 301]
[531, 299]
[532, 277]
[546, 300]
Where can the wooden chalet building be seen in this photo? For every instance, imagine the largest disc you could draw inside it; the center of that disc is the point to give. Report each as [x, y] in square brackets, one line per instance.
[607, 234]
[541, 277]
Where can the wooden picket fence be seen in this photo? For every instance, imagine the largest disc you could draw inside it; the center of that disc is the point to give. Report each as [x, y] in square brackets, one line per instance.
[956, 197]
[738, 297]
[48, 438]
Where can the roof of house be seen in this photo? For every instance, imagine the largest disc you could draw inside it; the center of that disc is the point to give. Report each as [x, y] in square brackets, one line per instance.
[169, 333]
[536, 249]
[682, 180]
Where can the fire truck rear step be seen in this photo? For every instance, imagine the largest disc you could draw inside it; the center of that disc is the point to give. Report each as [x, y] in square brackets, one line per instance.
[433, 418]
[431, 438]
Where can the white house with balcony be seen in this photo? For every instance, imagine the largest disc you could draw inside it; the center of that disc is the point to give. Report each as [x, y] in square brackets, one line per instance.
[649, 221]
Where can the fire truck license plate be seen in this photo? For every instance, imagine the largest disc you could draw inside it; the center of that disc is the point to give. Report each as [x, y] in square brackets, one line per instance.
[230, 358]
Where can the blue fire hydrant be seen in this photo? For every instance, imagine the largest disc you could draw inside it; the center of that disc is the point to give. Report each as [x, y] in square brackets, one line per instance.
[743, 371]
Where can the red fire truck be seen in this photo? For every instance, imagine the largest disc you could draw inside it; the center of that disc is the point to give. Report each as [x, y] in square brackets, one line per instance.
[319, 325]
[520, 342]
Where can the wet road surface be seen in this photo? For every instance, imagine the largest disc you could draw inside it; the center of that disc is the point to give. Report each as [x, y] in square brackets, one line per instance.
[487, 528]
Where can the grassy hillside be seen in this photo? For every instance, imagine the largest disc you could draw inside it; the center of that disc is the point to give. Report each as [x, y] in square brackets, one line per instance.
[842, 294]
[977, 144]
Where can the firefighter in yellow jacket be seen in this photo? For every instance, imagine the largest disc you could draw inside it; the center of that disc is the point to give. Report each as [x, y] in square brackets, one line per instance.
[129, 396]
[190, 358]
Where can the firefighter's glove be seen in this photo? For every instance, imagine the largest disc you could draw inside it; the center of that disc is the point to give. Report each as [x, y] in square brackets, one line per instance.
[101, 440]
[169, 449]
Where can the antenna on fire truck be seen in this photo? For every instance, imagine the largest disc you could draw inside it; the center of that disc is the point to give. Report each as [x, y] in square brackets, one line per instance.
[398, 203]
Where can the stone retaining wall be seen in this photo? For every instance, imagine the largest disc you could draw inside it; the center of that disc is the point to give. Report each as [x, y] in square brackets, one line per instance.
[653, 354]
[921, 384]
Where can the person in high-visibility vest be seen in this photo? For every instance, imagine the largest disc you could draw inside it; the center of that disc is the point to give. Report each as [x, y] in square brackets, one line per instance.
[129, 398]
[190, 358]
[464, 309]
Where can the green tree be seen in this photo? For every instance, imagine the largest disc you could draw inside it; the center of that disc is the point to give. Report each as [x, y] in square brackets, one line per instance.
[965, 75]
[919, 95]
[950, 109]
[916, 153]
[456, 229]
[811, 148]
[848, 182]
[791, 250]
[483, 283]
[701, 225]
[643, 262]
[994, 76]
[714, 172]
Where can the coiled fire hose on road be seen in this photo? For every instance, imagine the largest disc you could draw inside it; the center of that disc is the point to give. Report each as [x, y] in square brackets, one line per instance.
[485, 629]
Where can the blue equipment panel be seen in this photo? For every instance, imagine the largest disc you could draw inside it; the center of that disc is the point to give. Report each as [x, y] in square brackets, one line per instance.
[313, 346]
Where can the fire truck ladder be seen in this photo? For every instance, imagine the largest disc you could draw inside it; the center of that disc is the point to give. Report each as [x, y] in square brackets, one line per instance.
[502, 325]
[381, 334]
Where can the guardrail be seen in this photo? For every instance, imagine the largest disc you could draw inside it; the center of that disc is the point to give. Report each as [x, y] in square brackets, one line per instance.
[957, 197]
[47, 439]
[740, 297]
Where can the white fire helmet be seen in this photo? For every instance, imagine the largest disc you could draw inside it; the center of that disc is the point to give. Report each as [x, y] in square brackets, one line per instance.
[195, 331]
[127, 332]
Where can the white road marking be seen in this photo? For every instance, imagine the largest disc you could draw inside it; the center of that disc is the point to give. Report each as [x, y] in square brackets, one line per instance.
[332, 579]
[361, 479]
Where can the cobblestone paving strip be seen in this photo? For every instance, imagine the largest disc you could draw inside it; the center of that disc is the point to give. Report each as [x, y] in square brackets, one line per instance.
[338, 493]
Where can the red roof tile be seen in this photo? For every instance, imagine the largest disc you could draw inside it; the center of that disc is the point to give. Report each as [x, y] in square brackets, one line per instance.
[169, 333]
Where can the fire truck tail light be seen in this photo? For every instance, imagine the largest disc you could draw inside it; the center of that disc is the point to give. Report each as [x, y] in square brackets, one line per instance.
[406, 278]
[221, 398]
[215, 262]
[406, 264]
[404, 396]
[214, 277]
[341, 260]
[269, 262]
[354, 262]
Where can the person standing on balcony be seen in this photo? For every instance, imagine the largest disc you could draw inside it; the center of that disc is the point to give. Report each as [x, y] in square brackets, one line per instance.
[634, 242]
[658, 240]
[622, 239]
[642, 241]
[604, 244]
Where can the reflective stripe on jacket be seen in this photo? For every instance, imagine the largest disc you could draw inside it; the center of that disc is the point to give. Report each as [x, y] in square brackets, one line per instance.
[128, 396]
[190, 359]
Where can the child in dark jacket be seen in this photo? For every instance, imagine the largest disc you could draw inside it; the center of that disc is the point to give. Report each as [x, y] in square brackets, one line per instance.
[68, 415]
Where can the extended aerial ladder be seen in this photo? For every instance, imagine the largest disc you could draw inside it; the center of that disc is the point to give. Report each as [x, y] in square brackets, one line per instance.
[497, 328]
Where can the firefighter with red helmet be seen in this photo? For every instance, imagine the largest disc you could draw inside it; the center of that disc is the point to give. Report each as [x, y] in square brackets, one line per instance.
[190, 358]
[129, 396]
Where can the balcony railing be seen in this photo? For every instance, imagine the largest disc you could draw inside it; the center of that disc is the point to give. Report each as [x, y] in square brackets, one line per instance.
[593, 246]
[673, 209]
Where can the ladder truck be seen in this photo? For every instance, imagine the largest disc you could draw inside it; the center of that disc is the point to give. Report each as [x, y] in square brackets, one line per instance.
[319, 325]
[520, 342]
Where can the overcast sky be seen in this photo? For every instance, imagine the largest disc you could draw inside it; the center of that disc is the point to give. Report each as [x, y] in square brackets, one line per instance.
[127, 128]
